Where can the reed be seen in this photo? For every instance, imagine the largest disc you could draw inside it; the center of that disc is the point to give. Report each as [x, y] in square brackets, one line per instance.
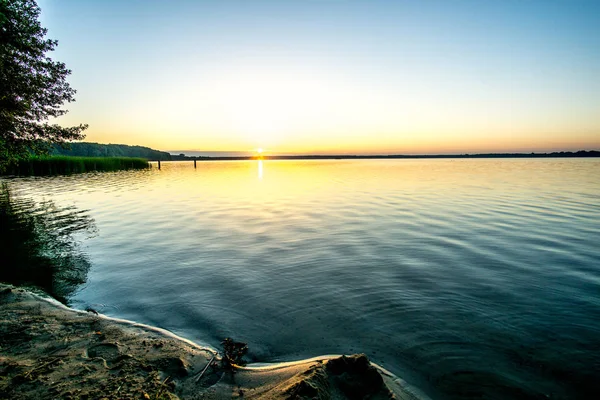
[60, 165]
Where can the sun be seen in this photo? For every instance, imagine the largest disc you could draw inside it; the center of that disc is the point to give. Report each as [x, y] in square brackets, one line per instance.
[266, 107]
[258, 153]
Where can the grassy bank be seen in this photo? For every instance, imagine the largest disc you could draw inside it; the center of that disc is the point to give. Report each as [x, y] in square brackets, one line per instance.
[57, 165]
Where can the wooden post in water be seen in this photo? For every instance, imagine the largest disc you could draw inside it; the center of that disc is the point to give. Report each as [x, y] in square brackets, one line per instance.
[158, 164]
[194, 163]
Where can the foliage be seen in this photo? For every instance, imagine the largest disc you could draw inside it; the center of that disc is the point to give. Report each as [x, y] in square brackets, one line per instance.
[33, 87]
[37, 246]
[233, 352]
[60, 165]
[86, 149]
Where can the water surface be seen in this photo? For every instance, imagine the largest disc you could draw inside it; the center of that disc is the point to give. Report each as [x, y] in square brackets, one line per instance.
[470, 278]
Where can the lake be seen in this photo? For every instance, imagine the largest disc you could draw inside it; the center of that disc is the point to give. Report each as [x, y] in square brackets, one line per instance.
[470, 278]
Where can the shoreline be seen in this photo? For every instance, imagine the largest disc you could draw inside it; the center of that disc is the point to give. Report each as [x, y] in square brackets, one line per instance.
[50, 350]
[556, 154]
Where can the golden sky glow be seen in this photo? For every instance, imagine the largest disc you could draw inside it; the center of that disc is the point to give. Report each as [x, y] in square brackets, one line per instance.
[333, 77]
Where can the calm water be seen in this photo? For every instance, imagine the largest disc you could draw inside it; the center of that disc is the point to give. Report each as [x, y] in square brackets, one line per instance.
[470, 278]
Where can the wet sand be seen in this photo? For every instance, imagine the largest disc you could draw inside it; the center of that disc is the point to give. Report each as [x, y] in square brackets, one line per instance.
[50, 351]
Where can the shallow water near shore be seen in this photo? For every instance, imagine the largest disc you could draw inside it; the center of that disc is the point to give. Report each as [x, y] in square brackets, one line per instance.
[468, 278]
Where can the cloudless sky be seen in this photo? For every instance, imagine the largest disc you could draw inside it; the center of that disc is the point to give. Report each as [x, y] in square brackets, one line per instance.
[333, 76]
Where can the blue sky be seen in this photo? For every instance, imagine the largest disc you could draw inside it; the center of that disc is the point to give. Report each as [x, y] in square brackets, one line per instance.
[333, 75]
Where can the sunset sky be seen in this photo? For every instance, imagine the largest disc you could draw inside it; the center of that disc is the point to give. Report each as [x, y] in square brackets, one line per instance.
[333, 76]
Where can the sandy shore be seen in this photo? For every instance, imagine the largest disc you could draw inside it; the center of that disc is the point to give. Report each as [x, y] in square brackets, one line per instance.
[49, 351]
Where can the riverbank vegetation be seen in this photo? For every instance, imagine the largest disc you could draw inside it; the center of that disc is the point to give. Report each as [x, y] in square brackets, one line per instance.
[60, 165]
[34, 87]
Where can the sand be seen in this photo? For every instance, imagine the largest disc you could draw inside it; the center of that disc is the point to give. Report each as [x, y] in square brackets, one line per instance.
[50, 351]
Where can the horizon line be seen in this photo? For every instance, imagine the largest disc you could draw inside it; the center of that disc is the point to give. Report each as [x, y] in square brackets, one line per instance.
[556, 154]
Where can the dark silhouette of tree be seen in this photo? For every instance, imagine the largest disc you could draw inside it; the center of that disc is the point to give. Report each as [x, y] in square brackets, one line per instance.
[33, 87]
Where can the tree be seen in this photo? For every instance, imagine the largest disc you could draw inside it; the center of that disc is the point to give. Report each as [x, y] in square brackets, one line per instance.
[33, 87]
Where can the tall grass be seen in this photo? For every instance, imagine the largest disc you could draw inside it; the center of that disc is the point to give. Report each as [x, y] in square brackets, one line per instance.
[58, 165]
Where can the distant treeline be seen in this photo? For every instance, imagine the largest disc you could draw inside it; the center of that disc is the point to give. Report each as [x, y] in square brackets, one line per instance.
[566, 154]
[86, 149]
[581, 153]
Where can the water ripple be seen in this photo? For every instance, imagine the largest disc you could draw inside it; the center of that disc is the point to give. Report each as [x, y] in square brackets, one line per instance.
[470, 278]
